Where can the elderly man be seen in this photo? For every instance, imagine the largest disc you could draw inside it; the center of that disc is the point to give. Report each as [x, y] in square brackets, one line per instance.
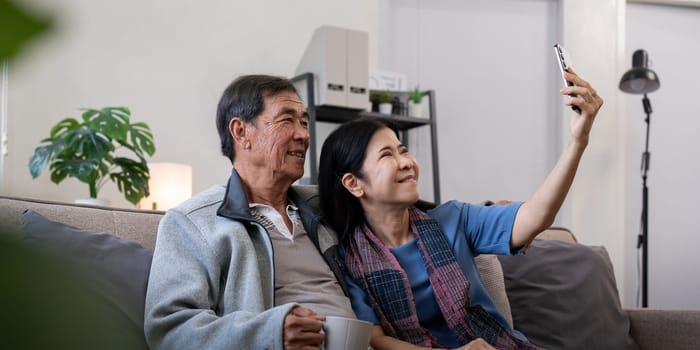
[249, 265]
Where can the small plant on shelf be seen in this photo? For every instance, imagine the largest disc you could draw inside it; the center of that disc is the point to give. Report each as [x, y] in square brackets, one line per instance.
[415, 95]
[415, 105]
[382, 101]
[385, 96]
[385, 100]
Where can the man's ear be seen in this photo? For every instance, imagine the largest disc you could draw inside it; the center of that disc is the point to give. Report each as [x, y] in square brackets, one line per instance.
[352, 184]
[239, 132]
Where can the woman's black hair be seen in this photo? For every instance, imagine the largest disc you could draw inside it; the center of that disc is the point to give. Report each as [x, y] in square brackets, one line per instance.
[344, 152]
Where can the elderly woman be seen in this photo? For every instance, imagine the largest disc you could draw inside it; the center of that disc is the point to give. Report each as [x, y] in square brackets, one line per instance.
[410, 267]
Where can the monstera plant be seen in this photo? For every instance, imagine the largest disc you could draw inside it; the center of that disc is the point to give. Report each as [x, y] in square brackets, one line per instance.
[103, 146]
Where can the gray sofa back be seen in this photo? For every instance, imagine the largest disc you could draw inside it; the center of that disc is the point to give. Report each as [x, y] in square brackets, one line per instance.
[136, 225]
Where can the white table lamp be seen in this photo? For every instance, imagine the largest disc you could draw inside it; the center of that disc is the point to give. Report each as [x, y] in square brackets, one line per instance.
[170, 185]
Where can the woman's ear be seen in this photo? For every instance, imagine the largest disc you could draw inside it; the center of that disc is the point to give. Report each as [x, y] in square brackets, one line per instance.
[352, 184]
[238, 130]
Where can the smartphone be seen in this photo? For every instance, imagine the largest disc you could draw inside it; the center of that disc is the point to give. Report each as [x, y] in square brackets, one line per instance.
[564, 64]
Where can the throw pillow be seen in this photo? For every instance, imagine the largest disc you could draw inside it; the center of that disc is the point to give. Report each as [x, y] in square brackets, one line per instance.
[116, 269]
[44, 305]
[563, 296]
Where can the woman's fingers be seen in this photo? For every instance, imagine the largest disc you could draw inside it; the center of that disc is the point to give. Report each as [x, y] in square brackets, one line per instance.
[586, 97]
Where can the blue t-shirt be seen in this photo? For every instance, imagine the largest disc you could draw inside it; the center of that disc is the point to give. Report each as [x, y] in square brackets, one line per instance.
[470, 230]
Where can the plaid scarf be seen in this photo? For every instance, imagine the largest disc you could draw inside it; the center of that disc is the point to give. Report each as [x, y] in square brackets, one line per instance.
[370, 263]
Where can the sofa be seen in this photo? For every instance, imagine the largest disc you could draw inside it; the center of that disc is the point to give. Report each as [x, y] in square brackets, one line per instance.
[109, 249]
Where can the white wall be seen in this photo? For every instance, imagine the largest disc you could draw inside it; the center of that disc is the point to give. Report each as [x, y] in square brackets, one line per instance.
[168, 61]
[669, 34]
[445, 44]
[494, 75]
[594, 31]
[501, 123]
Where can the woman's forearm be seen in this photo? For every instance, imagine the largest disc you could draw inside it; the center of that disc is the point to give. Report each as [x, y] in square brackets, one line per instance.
[539, 211]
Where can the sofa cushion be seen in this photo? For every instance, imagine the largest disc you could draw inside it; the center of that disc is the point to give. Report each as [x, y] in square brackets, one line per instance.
[117, 269]
[563, 296]
[492, 277]
[44, 305]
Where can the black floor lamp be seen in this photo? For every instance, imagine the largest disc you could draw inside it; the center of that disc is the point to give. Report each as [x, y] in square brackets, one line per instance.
[642, 80]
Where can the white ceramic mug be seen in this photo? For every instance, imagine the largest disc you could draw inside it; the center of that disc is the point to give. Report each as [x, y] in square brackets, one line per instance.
[346, 333]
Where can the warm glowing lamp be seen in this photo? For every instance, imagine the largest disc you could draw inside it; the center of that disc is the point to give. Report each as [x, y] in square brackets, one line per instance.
[170, 185]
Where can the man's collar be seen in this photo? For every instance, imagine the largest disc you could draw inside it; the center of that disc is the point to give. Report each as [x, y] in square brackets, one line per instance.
[290, 205]
[235, 203]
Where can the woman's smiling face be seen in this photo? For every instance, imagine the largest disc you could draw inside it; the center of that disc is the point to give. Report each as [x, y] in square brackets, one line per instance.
[389, 171]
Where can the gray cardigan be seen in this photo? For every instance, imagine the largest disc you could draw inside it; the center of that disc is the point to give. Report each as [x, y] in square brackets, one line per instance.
[211, 284]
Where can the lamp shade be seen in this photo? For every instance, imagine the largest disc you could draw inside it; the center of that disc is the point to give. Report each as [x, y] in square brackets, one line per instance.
[170, 184]
[639, 79]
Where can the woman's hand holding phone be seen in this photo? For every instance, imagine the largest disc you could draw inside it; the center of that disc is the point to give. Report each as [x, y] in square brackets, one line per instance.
[564, 63]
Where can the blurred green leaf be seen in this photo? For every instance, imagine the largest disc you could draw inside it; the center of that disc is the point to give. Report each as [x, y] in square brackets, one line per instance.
[17, 26]
[40, 158]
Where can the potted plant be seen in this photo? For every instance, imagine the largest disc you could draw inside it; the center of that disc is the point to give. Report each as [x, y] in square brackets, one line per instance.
[386, 98]
[415, 104]
[93, 151]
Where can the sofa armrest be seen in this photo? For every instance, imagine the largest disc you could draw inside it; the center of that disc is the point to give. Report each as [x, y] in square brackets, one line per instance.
[665, 329]
[492, 277]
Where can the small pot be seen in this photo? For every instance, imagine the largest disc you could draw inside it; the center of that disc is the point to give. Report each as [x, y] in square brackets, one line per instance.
[385, 108]
[415, 109]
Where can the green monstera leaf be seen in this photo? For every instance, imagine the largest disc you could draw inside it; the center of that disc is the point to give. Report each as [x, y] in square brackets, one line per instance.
[87, 151]
[113, 122]
[132, 180]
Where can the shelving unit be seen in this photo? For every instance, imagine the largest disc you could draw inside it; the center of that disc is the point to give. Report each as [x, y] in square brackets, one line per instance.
[339, 115]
